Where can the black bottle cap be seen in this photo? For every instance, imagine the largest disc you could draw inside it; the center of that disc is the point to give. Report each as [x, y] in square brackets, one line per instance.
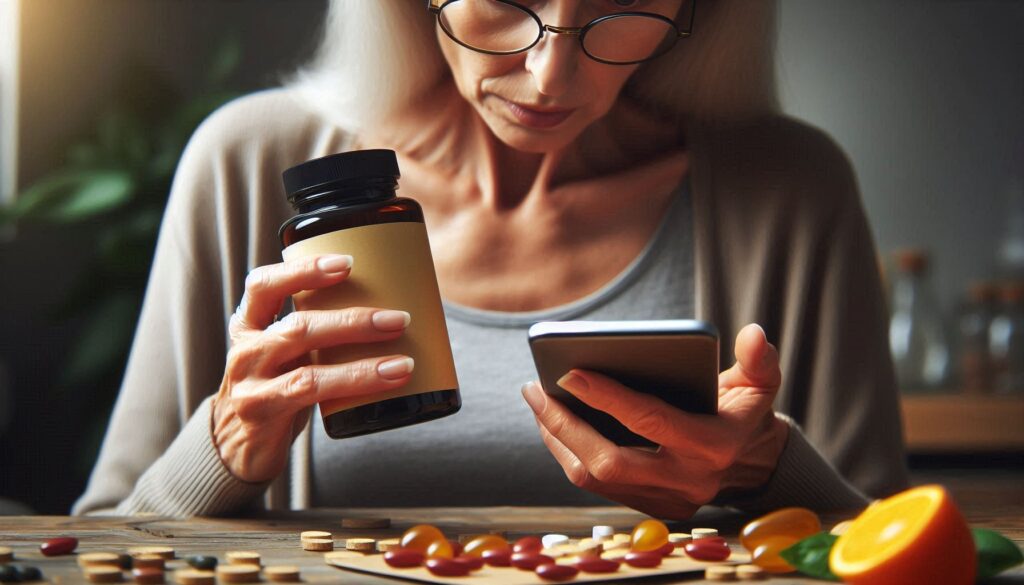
[342, 170]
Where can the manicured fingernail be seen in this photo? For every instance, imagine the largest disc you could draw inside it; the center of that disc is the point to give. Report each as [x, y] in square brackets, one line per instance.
[396, 368]
[573, 383]
[534, 397]
[390, 320]
[335, 263]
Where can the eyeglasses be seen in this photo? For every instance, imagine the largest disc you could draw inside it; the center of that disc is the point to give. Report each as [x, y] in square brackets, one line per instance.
[504, 27]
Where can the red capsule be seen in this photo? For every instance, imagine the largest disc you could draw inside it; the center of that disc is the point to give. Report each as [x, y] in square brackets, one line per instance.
[642, 559]
[666, 549]
[474, 563]
[59, 546]
[403, 558]
[498, 557]
[443, 567]
[597, 565]
[708, 549]
[528, 544]
[530, 561]
[554, 572]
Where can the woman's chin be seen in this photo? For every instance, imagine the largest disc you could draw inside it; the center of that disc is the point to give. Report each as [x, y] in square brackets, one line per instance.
[530, 139]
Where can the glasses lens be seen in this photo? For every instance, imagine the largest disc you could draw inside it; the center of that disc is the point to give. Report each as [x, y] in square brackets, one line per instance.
[490, 25]
[629, 38]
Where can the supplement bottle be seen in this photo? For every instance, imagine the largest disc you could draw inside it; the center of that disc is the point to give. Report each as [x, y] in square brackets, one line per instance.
[346, 204]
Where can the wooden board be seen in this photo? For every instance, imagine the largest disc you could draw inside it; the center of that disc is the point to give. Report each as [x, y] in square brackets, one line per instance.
[676, 564]
[963, 423]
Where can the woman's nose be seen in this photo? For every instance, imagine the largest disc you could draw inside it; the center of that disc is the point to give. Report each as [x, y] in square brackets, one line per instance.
[552, 63]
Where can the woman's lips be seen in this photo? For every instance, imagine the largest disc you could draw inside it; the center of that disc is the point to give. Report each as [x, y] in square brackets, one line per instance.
[538, 118]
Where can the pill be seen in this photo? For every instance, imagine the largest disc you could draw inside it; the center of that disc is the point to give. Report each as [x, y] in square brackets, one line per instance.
[8, 574]
[243, 557]
[642, 559]
[555, 572]
[553, 540]
[366, 522]
[103, 574]
[597, 565]
[29, 573]
[616, 554]
[589, 549]
[474, 563]
[698, 533]
[529, 561]
[403, 558]
[622, 537]
[498, 557]
[305, 534]
[361, 544]
[708, 549]
[679, 538]
[561, 550]
[720, 573]
[485, 542]
[318, 544]
[59, 546]
[202, 562]
[148, 561]
[164, 551]
[148, 576]
[420, 537]
[6, 554]
[601, 532]
[447, 567]
[750, 573]
[528, 544]
[242, 573]
[649, 535]
[282, 573]
[387, 544]
[99, 559]
[194, 577]
[441, 549]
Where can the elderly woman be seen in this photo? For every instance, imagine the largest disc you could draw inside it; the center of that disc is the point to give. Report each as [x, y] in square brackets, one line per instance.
[575, 159]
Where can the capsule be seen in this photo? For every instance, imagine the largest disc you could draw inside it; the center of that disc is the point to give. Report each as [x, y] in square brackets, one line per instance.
[555, 572]
[443, 567]
[597, 565]
[403, 558]
[642, 559]
[708, 549]
[59, 546]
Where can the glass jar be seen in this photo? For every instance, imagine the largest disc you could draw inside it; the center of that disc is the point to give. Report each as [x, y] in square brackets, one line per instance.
[346, 204]
[917, 337]
[1006, 340]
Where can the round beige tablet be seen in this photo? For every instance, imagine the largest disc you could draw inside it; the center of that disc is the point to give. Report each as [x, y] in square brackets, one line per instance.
[699, 533]
[720, 573]
[615, 545]
[164, 551]
[194, 577]
[390, 544]
[622, 537]
[148, 561]
[99, 559]
[282, 573]
[318, 544]
[361, 544]
[615, 554]
[243, 557]
[679, 538]
[242, 573]
[592, 548]
[306, 534]
[6, 554]
[366, 522]
[751, 573]
[103, 574]
[841, 528]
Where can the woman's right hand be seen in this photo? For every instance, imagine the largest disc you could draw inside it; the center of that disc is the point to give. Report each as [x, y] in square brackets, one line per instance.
[269, 384]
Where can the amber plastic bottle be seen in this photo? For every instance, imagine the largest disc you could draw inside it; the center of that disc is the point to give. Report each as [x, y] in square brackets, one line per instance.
[346, 204]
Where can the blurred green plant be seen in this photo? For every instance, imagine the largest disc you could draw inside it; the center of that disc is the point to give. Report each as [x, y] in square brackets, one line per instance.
[114, 187]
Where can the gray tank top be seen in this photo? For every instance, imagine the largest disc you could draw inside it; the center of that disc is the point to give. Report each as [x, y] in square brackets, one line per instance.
[490, 452]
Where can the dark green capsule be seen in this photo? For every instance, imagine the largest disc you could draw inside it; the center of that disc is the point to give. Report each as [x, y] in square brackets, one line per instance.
[8, 574]
[27, 573]
[203, 562]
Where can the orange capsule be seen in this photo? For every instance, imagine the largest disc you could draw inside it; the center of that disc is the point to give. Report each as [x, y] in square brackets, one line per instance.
[441, 549]
[798, 523]
[766, 554]
[481, 544]
[649, 535]
[421, 536]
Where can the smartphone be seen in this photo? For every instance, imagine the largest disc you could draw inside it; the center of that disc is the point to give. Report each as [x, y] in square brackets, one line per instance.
[675, 360]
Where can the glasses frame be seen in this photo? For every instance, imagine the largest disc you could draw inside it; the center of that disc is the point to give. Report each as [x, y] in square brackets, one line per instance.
[436, 6]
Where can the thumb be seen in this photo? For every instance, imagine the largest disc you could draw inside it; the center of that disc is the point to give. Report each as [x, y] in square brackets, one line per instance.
[757, 361]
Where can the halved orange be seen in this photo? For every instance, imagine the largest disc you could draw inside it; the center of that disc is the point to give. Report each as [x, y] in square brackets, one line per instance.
[915, 537]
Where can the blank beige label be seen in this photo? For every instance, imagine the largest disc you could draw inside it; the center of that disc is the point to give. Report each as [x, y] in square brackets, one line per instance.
[391, 269]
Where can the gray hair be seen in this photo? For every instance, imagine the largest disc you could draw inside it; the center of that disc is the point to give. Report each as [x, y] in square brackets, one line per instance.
[379, 56]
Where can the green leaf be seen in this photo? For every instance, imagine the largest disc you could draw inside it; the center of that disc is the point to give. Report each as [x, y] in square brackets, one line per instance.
[996, 553]
[75, 194]
[810, 555]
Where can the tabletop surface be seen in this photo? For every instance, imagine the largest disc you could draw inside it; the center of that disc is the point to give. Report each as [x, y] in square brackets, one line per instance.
[993, 501]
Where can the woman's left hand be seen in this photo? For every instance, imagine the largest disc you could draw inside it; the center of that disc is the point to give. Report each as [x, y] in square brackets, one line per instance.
[699, 455]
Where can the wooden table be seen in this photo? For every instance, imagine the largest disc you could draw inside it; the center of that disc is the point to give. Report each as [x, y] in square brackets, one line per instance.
[993, 501]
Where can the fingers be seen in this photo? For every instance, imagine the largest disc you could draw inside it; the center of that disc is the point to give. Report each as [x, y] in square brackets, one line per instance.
[304, 331]
[267, 287]
[757, 361]
[305, 386]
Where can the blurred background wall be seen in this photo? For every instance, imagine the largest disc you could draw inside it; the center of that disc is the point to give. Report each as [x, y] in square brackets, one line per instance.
[926, 96]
